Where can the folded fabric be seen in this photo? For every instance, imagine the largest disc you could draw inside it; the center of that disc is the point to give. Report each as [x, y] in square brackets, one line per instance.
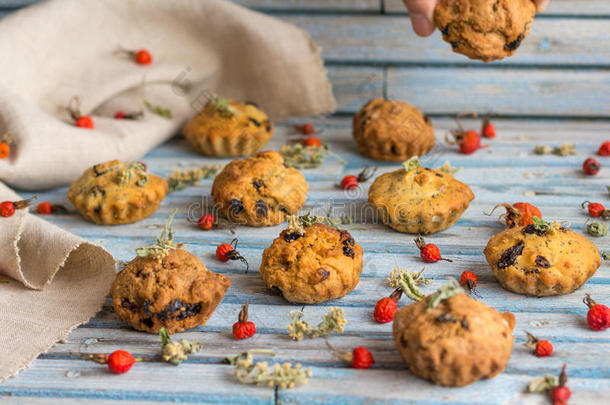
[59, 49]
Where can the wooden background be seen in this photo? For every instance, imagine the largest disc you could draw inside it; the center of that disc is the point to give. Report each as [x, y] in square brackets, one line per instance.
[556, 89]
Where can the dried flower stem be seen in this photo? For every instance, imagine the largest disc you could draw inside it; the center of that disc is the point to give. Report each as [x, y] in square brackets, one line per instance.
[165, 242]
[331, 322]
[261, 374]
[446, 291]
[306, 157]
[157, 109]
[179, 180]
[175, 352]
[408, 281]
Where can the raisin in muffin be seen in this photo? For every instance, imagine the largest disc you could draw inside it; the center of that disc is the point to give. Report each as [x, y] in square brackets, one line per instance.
[392, 130]
[541, 259]
[457, 342]
[419, 200]
[176, 292]
[117, 193]
[229, 128]
[314, 264]
[485, 29]
[259, 191]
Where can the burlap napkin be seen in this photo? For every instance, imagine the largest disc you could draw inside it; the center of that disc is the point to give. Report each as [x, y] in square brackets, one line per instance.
[63, 48]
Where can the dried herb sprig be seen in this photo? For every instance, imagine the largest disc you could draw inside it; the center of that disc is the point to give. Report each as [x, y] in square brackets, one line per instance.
[542, 384]
[297, 224]
[597, 229]
[223, 106]
[175, 352]
[564, 149]
[543, 226]
[179, 180]
[261, 374]
[411, 164]
[408, 281]
[447, 290]
[447, 168]
[165, 242]
[157, 109]
[331, 322]
[306, 157]
[132, 170]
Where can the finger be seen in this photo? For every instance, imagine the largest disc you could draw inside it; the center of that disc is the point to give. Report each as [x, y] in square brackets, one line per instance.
[421, 25]
[541, 4]
[424, 7]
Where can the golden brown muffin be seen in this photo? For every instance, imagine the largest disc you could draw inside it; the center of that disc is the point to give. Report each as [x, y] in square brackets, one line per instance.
[419, 200]
[319, 265]
[229, 128]
[392, 130]
[485, 29]
[259, 191]
[177, 292]
[456, 343]
[117, 193]
[541, 260]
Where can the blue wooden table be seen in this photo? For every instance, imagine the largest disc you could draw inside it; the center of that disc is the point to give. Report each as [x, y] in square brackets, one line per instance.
[556, 89]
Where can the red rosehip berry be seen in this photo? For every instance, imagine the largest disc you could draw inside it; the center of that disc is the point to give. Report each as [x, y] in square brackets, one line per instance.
[349, 182]
[469, 280]
[604, 149]
[243, 329]
[591, 167]
[488, 129]
[362, 358]
[430, 253]
[307, 129]
[542, 348]
[226, 252]
[312, 141]
[596, 209]
[206, 222]
[45, 208]
[7, 209]
[387, 306]
[471, 142]
[120, 362]
[518, 214]
[5, 150]
[143, 57]
[119, 115]
[560, 395]
[598, 316]
[84, 121]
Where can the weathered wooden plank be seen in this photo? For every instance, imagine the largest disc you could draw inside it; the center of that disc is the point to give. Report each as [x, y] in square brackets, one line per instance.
[390, 40]
[562, 7]
[309, 5]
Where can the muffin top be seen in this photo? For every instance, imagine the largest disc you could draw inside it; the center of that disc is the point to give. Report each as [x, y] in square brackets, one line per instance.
[115, 193]
[177, 292]
[542, 259]
[485, 29]
[260, 190]
[392, 130]
[456, 342]
[314, 265]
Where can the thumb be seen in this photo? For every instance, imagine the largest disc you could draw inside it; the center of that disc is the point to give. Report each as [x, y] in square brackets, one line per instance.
[421, 13]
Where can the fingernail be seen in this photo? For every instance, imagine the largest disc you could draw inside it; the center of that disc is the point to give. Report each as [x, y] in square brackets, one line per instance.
[542, 5]
[422, 25]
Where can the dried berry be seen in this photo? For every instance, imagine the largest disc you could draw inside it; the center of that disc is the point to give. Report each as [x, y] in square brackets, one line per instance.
[7, 208]
[80, 120]
[468, 141]
[312, 142]
[243, 329]
[542, 348]
[349, 182]
[509, 257]
[488, 129]
[560, 395]
[469, 280]
[206, 222]
[142, 56]
[362, 358]
[591, 166]
[226, 252]
[430, 253]
[596, 209]
[386, 307]
[120, 362]
[44, 208]
[518, 214]
[307, 129]
[598, 316]
[5, 150]
[120, 115]
[604, 149]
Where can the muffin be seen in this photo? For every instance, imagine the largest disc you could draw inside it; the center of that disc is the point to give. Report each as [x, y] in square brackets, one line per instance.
[165, 286]
[419, 200]
[455, 343]
[229, 128]
[117, 193]
[309, 264]
[541, 259]
[392, 130]
[487, 30]
[259, 191]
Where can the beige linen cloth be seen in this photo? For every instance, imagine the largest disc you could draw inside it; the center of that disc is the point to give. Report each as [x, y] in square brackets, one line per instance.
[59, 49]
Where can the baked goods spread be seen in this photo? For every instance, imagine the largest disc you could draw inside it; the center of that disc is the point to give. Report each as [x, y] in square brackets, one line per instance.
[485, 29]
[392, 130]
[456, 342]
[259, 191]
[229, 128]
[541, 259]
[117, 193]
[312, 263]
[419, 200]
